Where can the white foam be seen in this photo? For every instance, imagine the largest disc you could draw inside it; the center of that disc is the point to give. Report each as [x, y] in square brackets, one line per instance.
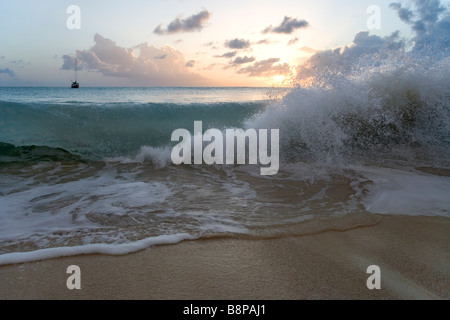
[396, 191]
[110, 249]
[40, 209]
[160, 157]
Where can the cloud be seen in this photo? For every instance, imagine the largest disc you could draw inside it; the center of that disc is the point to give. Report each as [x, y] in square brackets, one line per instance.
[193, 23]
[20, 63]
[211, 66]
[230, 54]
[239, 61]
[308, 50]
[8, 72]
[211, 45]
[287, 26]
[431, 23]
[264, 41]
[190, 63]
[404, 14]
[292, 41]
[265, 68]
[138, 64]
[243, 60]
[237, 44]
[161, 56]
[343, 59]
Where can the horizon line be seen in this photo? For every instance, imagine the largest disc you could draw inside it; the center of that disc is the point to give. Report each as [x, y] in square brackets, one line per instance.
[157, 87]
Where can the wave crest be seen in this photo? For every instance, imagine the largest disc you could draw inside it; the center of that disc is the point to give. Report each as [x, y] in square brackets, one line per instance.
[393, 110]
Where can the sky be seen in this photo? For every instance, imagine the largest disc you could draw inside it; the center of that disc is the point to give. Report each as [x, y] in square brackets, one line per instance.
[148, 43]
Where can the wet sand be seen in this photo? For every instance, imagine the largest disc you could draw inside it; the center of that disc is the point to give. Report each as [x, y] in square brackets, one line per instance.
[412, 252]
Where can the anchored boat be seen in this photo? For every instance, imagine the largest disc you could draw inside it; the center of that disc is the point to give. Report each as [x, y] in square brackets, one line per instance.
[75, 84]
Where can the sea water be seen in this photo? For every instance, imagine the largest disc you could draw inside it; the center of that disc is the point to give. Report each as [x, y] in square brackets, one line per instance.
[89, 170]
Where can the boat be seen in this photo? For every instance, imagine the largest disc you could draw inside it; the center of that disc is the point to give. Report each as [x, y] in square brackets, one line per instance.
[75, 84]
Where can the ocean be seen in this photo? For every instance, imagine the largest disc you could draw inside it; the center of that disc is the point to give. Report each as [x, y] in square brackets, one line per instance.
[89, 170]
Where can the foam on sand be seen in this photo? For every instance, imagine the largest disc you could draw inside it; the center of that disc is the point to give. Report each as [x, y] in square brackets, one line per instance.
[110, 249]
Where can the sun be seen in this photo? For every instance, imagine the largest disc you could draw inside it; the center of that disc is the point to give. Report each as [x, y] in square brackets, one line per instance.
[278, 79]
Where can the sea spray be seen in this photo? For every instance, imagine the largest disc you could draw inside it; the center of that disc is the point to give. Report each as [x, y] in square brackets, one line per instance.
[385, 112]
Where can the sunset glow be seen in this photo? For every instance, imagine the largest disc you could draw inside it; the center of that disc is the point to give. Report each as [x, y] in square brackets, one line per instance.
[179, 43]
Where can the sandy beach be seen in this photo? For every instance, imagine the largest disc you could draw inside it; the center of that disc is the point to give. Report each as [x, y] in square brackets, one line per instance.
[189, 151]
[412, 252]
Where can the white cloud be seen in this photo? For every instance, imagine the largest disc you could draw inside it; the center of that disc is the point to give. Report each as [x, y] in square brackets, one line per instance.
[148, 68]
[308, 50]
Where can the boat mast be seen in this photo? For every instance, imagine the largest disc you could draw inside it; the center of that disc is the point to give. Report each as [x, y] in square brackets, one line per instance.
[76, 70]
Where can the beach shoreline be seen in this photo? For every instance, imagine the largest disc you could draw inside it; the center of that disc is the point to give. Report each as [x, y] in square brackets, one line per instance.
[411, 251]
